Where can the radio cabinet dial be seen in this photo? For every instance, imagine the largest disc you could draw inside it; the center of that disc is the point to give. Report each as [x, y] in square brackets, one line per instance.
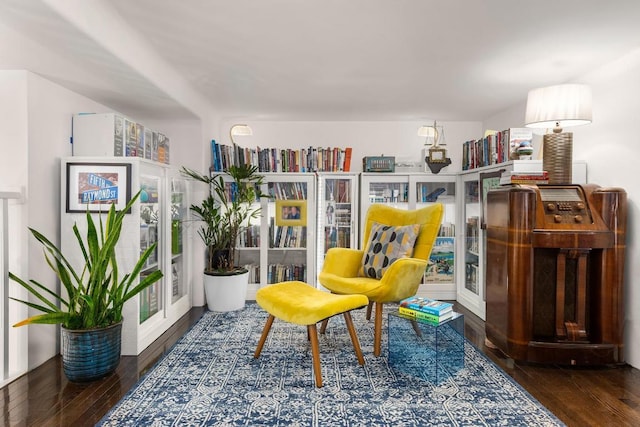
[578, 218]
[580, 206]
[551, 207]
[557, 218]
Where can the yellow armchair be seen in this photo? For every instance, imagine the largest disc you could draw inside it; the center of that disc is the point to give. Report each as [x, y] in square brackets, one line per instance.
[342, 266]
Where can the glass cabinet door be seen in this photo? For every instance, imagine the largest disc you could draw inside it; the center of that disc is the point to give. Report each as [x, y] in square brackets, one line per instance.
[337, 213]
[472, 236]
[290, 216]
[248, 247]
[392, 190]
[178, 213]
[439, 189]
[151, 301]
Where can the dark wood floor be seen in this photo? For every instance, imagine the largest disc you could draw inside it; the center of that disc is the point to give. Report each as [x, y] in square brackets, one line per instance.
[578, 396]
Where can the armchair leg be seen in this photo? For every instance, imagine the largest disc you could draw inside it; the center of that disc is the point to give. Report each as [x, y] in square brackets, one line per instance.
[377, 331]
[369, 310]
[323, 326]
[263, 338]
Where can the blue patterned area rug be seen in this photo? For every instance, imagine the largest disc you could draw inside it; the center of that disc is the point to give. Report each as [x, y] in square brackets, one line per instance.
[210, 378]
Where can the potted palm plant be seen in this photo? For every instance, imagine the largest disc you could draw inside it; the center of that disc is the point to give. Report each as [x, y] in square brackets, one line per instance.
[90, 307]
[224, 214]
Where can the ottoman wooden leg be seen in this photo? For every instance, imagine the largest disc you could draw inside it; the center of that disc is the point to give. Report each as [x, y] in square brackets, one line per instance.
[263, 338]
[315, 353]
[354, 337]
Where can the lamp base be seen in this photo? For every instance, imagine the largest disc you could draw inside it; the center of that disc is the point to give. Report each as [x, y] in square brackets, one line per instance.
[557, 157]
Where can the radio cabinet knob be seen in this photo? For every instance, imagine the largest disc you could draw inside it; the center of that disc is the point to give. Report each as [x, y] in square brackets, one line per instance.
[580, 206]
[557, 218]
[578, 218]
[551, 207]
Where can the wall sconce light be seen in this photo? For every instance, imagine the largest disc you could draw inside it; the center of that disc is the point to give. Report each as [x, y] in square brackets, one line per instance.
[558, 107]
[239, 130]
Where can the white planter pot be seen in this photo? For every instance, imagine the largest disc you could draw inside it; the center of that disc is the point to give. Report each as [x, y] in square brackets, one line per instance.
[226, 293]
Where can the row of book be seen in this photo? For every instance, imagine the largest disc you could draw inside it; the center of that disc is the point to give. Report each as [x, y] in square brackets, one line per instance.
[338, 191]
[277, 273]
[288, 190]
[336, 238]
[287, 236]
[311, 159]
[427, 309]
[494, 148]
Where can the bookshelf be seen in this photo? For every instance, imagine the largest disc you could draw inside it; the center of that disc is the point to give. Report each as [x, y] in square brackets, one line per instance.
[414, 191]
[277, 247]
[337, 216]
[152, 219]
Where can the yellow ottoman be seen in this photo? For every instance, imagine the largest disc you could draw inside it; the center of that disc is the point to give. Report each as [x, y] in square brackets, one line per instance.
[302, 304]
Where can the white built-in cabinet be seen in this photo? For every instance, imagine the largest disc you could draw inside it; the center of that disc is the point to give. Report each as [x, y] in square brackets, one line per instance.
[337, 214]
[414, 191]
[158, 216]
[281, 245]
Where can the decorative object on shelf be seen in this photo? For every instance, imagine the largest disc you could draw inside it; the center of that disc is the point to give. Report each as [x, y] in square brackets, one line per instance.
[380, 163]
[239, 130]
[225, 213]
[434, 156]
[558, 106]
[291, 213]
[91, 311]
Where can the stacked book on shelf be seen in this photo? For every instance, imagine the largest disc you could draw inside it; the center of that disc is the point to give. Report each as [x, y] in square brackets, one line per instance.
[426, 309]
[311, 159]
[529, 178]
[494, 148]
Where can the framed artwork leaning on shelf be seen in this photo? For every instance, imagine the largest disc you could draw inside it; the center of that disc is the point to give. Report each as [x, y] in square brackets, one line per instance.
[96, 186]
[291, 212]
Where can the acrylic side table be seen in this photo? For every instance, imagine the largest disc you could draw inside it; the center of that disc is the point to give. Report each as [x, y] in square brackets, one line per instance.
[427, 350]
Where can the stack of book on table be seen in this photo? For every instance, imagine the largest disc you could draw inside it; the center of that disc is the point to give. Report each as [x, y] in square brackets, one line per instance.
[529, 178]
[427, 309]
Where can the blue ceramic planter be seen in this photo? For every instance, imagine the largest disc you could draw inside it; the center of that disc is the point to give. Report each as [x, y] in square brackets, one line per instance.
[90, 354]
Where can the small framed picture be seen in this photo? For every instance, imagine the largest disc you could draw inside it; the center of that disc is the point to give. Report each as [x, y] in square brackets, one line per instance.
[437, 155]
[97, 186]
[291, 212]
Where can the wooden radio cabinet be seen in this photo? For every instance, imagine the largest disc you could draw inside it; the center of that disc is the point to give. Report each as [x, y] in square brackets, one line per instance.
[554, 275]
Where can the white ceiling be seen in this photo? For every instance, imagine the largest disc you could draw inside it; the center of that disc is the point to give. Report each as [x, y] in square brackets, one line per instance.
[314, 60]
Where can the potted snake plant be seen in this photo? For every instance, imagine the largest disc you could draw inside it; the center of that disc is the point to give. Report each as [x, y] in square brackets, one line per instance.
[89, 308]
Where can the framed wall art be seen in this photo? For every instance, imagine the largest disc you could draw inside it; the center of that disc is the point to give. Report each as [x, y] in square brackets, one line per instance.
[97, 186]
[291, 212]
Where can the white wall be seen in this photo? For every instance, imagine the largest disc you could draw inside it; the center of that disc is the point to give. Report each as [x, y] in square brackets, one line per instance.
[35, 131]
[609, 145]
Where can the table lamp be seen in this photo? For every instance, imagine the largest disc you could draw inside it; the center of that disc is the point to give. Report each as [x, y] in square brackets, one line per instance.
[558, 107]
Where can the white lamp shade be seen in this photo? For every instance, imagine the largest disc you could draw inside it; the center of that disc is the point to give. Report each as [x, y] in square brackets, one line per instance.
[558, 106]
[427, 131]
